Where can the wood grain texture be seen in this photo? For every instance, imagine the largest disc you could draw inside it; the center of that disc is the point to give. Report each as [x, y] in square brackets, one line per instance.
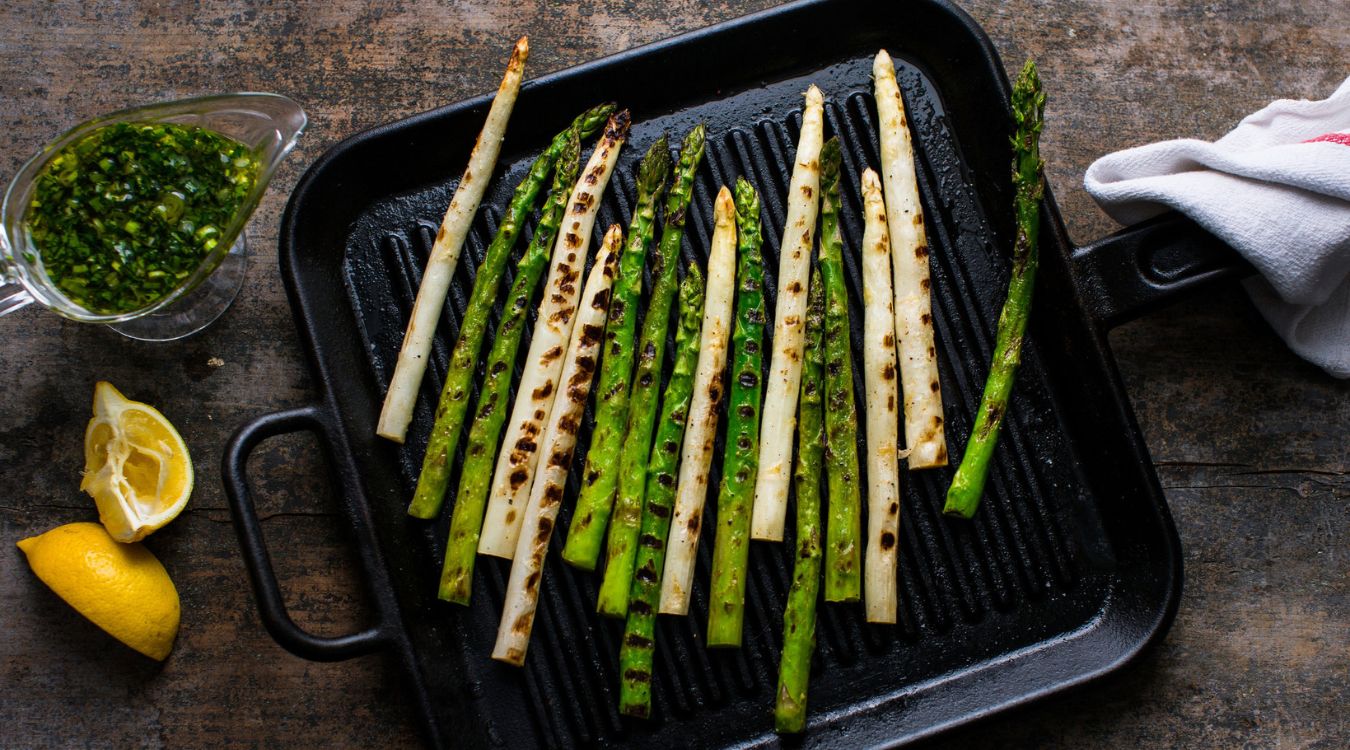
[1252, 445]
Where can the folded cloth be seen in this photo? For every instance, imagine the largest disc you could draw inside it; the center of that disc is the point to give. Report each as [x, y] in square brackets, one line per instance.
[1276, 189]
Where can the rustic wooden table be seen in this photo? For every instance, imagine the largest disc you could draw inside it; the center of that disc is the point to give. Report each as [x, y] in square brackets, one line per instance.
[1252, 444]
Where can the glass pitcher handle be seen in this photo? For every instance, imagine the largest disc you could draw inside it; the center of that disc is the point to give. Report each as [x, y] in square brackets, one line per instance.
[13, 296]
[12, 293]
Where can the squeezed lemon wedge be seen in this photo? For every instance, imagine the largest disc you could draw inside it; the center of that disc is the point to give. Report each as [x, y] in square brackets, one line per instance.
[136, 465]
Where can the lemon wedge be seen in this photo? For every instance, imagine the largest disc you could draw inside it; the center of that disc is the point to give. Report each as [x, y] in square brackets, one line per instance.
[121, 588]
[136, 465]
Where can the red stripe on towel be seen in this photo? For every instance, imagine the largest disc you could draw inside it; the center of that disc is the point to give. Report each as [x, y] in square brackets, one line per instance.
[1341, 138]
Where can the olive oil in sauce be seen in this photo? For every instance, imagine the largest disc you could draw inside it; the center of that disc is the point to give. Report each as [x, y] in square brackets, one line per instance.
[122, 216]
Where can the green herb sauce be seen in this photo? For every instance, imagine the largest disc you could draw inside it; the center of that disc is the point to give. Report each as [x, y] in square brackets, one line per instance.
[123, 215]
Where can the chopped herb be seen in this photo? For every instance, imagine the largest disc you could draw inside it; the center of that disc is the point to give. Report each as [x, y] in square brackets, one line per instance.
[123, 215]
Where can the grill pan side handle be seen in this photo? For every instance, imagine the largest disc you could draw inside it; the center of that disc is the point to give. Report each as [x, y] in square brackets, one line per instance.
[271, 604]
[1145, 266]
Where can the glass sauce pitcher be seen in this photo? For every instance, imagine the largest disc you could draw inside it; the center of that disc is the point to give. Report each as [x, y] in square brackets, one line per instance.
[269, 124]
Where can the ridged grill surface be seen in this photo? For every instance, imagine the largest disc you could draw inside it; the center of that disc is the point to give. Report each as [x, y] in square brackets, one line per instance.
[969, 591]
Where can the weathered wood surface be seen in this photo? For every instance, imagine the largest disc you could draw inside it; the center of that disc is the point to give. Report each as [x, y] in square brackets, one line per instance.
[1252, 445]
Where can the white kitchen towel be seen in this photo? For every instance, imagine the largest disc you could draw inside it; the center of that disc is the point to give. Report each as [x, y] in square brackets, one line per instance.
[1276, 189]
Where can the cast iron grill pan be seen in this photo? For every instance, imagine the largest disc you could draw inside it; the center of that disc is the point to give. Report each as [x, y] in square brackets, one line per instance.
[955, 575]
[1068, 570]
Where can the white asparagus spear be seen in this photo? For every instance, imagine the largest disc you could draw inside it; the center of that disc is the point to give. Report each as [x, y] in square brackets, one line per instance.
[697, 451]
[412, 358]
[785, 368]
[560, 439]
[516, 460]
[925, 437]
[883, 427]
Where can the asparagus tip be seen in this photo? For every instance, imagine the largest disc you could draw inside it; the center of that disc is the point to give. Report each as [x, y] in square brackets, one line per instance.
[694, 142]
[655, 166]
[870, 180]
[829, 162]
[1028, 100]
[617, 126]
[747, 200]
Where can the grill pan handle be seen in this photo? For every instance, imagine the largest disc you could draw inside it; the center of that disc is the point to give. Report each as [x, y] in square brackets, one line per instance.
[1145, 266]
[271, 605]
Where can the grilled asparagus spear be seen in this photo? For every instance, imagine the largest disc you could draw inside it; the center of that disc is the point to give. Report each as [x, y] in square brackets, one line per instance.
[925, 437]
[454, 403]
[785, 366]
[731, 545]
[621, 549]
[587, 532]
[519, 457]
[412, 357]
[560, 439]
[799, 619]
[466, 521]
[701, 436]
[639, 635]
[844, 528]
[1028, 103]
[883, 418]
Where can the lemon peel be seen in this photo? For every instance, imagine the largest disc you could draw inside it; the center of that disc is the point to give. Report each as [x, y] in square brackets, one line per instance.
[122, 588]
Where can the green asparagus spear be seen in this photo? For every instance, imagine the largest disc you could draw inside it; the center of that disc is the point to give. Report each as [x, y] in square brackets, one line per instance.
[467, 519]
[1028, 103]
[621, 549]
[454, 402]
[587, 532]
[731, 545]
[843, 581]
[639, 635]
[799, 619]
